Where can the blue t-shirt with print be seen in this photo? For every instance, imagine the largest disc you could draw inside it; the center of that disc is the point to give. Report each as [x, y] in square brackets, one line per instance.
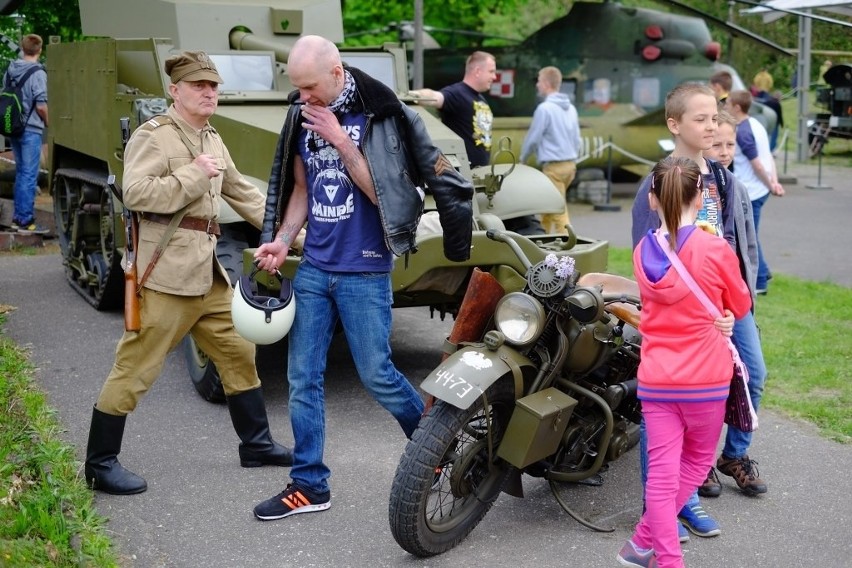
[711, 208]
[344, 231]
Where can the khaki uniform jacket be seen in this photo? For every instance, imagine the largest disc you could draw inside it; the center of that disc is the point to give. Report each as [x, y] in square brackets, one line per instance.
[159, 177]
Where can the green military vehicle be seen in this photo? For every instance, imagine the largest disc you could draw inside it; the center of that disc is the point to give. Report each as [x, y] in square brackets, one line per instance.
[94, 84]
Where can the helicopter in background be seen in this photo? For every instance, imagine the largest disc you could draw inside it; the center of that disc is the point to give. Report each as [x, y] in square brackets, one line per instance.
[618, 64]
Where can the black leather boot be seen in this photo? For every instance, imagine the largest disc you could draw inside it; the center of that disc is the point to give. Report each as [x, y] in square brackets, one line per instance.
[103, 472]
[248, 413]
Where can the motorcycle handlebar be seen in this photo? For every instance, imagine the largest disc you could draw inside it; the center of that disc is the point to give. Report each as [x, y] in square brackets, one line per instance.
[504, 237]
[626, 298]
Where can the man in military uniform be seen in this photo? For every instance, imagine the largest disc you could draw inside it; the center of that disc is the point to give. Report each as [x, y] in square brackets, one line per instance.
[177, 164]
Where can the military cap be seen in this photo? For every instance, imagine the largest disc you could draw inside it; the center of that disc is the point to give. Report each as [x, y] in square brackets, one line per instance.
[192, 66]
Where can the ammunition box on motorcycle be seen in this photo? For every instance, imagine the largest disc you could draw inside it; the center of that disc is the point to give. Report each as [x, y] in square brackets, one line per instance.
[536, 427]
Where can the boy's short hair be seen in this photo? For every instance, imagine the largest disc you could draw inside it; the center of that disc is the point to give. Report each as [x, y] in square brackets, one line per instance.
[742, 99]
[31, 44]
[727, 118]
[723, 79]
[678, 98]
[552, 76]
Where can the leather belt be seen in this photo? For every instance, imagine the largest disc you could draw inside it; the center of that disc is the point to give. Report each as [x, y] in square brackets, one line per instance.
[208, 226]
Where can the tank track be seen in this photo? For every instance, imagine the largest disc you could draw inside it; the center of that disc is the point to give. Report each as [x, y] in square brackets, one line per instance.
[90, 234]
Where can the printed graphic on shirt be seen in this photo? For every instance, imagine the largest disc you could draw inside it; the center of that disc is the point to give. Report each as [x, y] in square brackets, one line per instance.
[344, 228]
[483, 119]
[330, 179]
[710, 214]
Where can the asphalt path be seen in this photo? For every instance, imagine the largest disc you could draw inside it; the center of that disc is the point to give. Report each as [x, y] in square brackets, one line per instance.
[197, 510]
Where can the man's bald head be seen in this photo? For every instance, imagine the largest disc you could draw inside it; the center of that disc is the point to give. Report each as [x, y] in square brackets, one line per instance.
[315, 51]
[315, 68]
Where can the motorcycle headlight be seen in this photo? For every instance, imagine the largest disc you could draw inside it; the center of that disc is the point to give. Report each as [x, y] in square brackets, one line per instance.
[520, 318]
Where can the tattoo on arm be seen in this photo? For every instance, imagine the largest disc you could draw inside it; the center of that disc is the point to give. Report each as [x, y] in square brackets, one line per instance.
[350, 155]
[355, 163]
[286, 233]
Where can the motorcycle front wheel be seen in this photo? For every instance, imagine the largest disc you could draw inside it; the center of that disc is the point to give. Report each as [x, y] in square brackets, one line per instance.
[447, 480]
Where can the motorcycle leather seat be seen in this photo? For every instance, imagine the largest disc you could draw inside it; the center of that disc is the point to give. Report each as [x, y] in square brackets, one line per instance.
[613, 284]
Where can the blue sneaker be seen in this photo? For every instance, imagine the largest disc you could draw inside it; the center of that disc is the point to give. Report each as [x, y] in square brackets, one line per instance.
[632, 555]
[698, 521]
[682, 533]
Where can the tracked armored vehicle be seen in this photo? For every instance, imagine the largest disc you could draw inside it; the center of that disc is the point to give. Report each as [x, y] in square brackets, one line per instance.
[93, 84]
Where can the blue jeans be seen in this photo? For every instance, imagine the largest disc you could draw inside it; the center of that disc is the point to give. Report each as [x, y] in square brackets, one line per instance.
[27, 152]
[362, 302]
[762, 267]
[746, 339]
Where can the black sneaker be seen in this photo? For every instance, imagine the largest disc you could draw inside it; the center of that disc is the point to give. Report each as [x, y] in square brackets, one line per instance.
[292, 501]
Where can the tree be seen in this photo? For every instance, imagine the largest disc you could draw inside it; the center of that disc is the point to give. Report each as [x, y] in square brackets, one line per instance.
[43, 17]
[520, 18]
[366, 22]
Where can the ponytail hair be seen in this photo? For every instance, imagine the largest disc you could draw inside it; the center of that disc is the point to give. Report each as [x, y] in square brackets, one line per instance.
[675, 182]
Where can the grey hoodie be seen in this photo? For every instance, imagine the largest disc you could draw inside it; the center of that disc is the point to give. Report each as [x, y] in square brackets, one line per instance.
[736, 217]
[554, 134]
[34, 91]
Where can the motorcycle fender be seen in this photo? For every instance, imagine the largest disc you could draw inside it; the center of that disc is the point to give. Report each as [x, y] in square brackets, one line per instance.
[466, 374]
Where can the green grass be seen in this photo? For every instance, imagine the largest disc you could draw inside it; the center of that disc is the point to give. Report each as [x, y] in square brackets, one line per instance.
[805, 329]
[47, 514]
[50, 247]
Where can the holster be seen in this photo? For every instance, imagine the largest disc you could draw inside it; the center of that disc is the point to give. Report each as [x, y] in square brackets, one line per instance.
[132, 318]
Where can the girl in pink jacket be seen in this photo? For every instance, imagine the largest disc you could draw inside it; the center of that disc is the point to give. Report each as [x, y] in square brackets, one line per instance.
[686, 365]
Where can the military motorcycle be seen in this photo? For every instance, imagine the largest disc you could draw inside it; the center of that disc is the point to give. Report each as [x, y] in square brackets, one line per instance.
[540, 380]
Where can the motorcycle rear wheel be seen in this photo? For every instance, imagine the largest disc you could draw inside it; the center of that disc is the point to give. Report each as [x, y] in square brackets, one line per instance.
[444, 484]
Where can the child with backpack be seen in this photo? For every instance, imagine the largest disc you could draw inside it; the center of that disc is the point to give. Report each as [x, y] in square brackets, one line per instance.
[28, 79]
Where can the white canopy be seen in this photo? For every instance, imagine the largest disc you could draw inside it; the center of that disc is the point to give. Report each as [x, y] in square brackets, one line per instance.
[775, 9]
[842, 7]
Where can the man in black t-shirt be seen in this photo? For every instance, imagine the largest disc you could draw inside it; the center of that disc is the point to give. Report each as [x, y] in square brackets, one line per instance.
[466, 112]
[463, 108]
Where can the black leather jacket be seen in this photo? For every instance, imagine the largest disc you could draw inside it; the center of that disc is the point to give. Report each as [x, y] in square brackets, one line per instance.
[400, 156]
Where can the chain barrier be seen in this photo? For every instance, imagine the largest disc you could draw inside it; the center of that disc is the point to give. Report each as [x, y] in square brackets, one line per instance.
[601, 146]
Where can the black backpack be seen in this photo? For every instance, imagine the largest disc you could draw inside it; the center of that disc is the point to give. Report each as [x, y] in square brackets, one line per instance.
[12, 120]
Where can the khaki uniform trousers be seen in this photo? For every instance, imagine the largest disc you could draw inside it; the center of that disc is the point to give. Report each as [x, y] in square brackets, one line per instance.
[166, 318]
[561, 174]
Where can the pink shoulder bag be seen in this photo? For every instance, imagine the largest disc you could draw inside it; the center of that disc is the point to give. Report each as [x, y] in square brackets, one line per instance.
[739, 411]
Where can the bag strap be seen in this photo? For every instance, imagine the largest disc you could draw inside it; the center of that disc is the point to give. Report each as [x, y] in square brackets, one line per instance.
[686, 276]
[177, 217]
[699, 293]
[19, 84]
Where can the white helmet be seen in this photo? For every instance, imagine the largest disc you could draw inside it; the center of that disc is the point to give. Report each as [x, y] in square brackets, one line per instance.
[262, 319]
